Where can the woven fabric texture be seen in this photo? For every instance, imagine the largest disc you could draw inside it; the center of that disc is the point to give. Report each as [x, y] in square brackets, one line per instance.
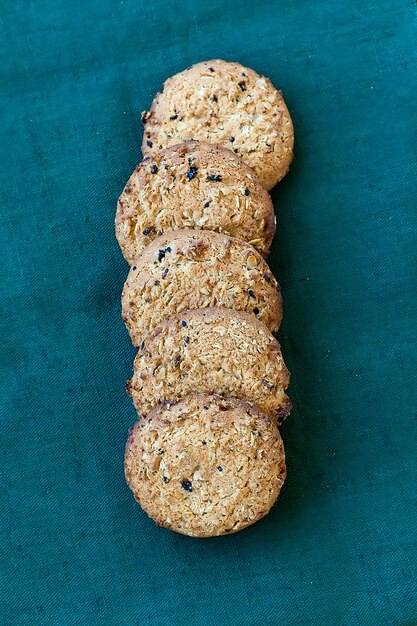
[339, 548]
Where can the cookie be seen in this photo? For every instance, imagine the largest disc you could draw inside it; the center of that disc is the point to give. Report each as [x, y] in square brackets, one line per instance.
[193, 185]
[192, 269]
[227, 104]
[211, 350]
[205, 466]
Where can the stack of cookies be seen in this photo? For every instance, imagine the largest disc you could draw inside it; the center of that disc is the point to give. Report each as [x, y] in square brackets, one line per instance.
[195, 222]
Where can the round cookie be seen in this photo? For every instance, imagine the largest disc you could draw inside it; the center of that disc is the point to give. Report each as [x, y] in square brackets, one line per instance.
[206, 466]
[211, 350]
[193, 185]
[192, 269]
[227, 104]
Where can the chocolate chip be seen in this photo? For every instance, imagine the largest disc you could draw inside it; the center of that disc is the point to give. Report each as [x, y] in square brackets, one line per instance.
[214, 177]
[183, 323]
[211, 69]
[164, 273]
[242, 85]
[154, 169]
[231, 139]
[147, 232]
[214, 97]
[251, 293]
[207, 204]
[160, 451]
[144, 117]
[156, 283]
[165, 479]
[256, 310]
[247, 192]
[220, 468]
[267, 278]
[205, 408]
[204, 443]
[149, 143]
[186, 340]
[243, 74]
[142, 345]
[192, 173]
[134, 268]
[267, 144]
[173, 117]
[187, 485]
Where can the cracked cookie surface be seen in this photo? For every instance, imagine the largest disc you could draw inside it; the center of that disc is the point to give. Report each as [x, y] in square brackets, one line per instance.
[193, 185]
[228, 104]
[205, 466]
[192, 269]
[211, 350]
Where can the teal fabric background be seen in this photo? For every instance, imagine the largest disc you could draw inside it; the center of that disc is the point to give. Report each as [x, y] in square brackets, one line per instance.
[339, 549]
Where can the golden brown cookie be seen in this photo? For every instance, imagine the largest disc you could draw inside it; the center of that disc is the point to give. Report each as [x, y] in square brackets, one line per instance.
[211, 350]
[192, 269]
[193, 185]
[227, 104]
[205, 466]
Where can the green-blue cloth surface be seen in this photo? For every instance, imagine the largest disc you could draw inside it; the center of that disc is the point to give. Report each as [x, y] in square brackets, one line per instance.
[339, 548]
